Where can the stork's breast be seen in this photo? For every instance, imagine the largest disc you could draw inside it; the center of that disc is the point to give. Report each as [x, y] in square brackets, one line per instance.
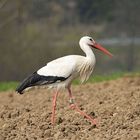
[85, 70]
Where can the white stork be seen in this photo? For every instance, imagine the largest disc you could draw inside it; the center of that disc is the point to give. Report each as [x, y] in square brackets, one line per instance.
[61, 72]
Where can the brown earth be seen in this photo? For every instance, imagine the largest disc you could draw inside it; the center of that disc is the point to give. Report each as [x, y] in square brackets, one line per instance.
[116, 105]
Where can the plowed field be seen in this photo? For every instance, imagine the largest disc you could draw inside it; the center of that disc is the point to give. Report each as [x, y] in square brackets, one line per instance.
[115, 104]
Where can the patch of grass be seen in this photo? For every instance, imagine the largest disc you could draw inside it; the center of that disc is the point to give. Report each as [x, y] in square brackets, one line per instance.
[4, 86]
[100, 78]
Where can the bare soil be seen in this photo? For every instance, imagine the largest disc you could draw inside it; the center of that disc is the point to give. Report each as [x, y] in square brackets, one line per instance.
[115, 104]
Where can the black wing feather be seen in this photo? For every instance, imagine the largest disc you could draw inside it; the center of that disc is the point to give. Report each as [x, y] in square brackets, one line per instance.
[36, 79]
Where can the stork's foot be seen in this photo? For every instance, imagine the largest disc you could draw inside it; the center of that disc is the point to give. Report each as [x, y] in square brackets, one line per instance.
[75, 107]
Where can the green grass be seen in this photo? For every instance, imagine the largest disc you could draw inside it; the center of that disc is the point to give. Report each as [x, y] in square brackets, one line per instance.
[100, 78]
[114, 76]
[5, 86]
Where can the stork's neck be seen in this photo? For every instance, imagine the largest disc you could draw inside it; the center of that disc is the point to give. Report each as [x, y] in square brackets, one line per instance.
[88, 51]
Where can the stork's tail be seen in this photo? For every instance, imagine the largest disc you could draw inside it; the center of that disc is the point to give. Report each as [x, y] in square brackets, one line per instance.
[26, 83]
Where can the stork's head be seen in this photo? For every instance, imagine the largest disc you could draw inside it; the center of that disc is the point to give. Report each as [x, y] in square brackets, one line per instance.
[89, 41]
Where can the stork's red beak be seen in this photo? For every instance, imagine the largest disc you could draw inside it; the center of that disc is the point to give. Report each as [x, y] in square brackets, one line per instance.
[99, 47]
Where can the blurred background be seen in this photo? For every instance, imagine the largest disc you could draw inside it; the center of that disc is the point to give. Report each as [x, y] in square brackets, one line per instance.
[33, 32]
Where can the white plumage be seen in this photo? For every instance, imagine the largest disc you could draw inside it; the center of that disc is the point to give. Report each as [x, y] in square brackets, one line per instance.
[61, 72]
[71, 66]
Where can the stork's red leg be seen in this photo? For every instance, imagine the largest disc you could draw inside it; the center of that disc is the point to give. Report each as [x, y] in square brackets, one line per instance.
[54, 107]
[74, 106]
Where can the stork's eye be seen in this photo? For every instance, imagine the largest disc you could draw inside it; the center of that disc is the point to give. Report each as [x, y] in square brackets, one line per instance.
[90, 39]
